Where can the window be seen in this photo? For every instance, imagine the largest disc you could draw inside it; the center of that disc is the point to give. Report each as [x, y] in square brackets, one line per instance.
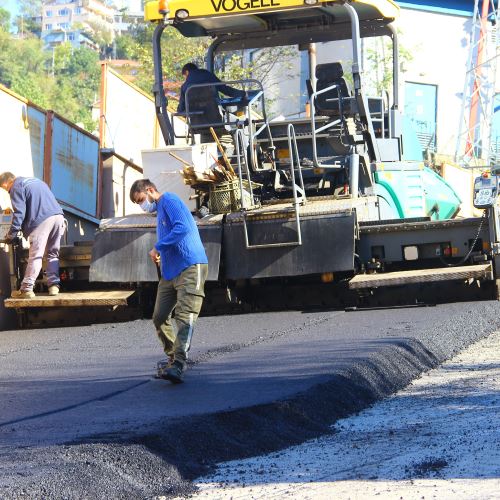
[63, 12]
[48, 27]
[71, 37]
[48, 13]
[78, 11]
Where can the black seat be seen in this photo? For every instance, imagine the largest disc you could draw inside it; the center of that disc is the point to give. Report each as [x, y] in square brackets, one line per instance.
[335, 102]
[203, 106]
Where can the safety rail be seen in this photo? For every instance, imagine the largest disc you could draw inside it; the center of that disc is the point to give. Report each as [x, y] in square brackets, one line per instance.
[297, 190]
[265, 126]
[252, 97]
[329, 125]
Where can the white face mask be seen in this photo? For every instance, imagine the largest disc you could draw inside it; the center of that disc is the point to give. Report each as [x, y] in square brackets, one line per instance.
[148, 206]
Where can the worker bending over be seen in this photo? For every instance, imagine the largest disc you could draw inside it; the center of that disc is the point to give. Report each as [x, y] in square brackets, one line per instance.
[184, 269]
[40, 218]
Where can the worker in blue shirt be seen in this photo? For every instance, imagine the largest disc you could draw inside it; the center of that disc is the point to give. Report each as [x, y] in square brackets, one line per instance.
[184, 269]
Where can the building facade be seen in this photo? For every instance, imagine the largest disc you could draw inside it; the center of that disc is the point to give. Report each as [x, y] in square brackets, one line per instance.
[74, 20]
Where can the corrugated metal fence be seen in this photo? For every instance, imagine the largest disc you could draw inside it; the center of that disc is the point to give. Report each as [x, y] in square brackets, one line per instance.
[43, 144]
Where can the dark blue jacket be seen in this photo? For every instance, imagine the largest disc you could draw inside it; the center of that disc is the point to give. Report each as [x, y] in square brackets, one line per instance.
[179, 242]
[33, 202]
[198, 76]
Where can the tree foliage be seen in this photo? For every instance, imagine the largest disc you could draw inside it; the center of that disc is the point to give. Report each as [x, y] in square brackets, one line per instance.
[378, 70]
[4, 19]
[137, 45]
[28, 22]
[65, 80]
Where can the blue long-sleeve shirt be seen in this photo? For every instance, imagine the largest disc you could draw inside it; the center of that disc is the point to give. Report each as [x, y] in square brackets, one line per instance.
[199, 76]
[32, 203]
[179, 242]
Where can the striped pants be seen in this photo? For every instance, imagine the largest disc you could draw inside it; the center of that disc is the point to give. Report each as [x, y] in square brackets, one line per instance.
[185, 294]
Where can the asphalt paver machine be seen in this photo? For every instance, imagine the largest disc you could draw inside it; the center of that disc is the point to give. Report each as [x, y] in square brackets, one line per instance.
[331, 203]
[337, 206]
[327, 209]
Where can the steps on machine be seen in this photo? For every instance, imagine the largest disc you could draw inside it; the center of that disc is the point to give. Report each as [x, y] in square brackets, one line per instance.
[421, 276]
[108, 298]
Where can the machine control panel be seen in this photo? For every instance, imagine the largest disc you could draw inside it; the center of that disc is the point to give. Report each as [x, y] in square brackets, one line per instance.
[485, 191]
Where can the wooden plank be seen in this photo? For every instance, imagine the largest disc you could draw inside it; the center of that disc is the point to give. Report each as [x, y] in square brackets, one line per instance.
[73, 299]
[421, 276]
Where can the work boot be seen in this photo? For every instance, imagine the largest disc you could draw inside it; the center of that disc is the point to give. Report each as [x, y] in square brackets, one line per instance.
[175, 373]
[164, 365]
[23, 294]
[53, 290]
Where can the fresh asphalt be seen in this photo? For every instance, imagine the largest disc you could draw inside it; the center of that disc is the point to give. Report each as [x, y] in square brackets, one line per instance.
[81, 415]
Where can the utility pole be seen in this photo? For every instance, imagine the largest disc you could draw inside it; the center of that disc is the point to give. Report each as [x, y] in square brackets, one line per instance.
[474, 139]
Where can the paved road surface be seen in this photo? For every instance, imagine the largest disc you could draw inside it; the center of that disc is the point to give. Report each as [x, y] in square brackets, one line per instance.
[439, 438]
[90, 387]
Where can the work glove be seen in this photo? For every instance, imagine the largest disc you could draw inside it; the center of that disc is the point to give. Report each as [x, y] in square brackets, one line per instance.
[13, 239]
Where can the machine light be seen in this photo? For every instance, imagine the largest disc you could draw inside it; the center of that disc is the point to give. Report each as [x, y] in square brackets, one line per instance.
[311, 2]
[327, 277]
[182, 14]
[163, 7]
[410, 252]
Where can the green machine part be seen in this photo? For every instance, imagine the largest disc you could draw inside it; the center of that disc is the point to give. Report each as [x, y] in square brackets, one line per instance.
[418, 192]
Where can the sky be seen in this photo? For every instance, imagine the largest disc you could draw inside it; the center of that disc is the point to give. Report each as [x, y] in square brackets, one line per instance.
[10, 5]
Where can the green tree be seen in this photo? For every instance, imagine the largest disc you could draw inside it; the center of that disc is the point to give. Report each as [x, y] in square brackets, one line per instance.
[85, 73]
[101, 35]
[4, 19]
[28, 21]
[125, 46]
[64, 80]
[137, 45]
[379, 66]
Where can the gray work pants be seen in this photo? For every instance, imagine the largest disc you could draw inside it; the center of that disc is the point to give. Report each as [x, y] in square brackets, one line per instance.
[185, 294]
[46, 237]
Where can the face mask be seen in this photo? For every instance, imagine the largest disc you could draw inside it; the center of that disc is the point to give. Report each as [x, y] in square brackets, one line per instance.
[148, 206]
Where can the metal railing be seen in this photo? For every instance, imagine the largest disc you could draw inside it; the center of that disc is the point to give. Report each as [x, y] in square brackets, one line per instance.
[315, 131]
[226, 105]
[297, 190]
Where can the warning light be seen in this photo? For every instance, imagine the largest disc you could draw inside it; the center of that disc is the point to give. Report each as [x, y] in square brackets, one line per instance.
[327, 277]
[163, 7]
[182, 14]
[447, 251]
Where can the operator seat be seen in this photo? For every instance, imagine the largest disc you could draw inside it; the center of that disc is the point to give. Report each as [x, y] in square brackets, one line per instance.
[336, 101]
[204, 111]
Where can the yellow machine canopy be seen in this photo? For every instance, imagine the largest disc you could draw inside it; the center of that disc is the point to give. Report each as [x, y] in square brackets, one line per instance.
[252, 23]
